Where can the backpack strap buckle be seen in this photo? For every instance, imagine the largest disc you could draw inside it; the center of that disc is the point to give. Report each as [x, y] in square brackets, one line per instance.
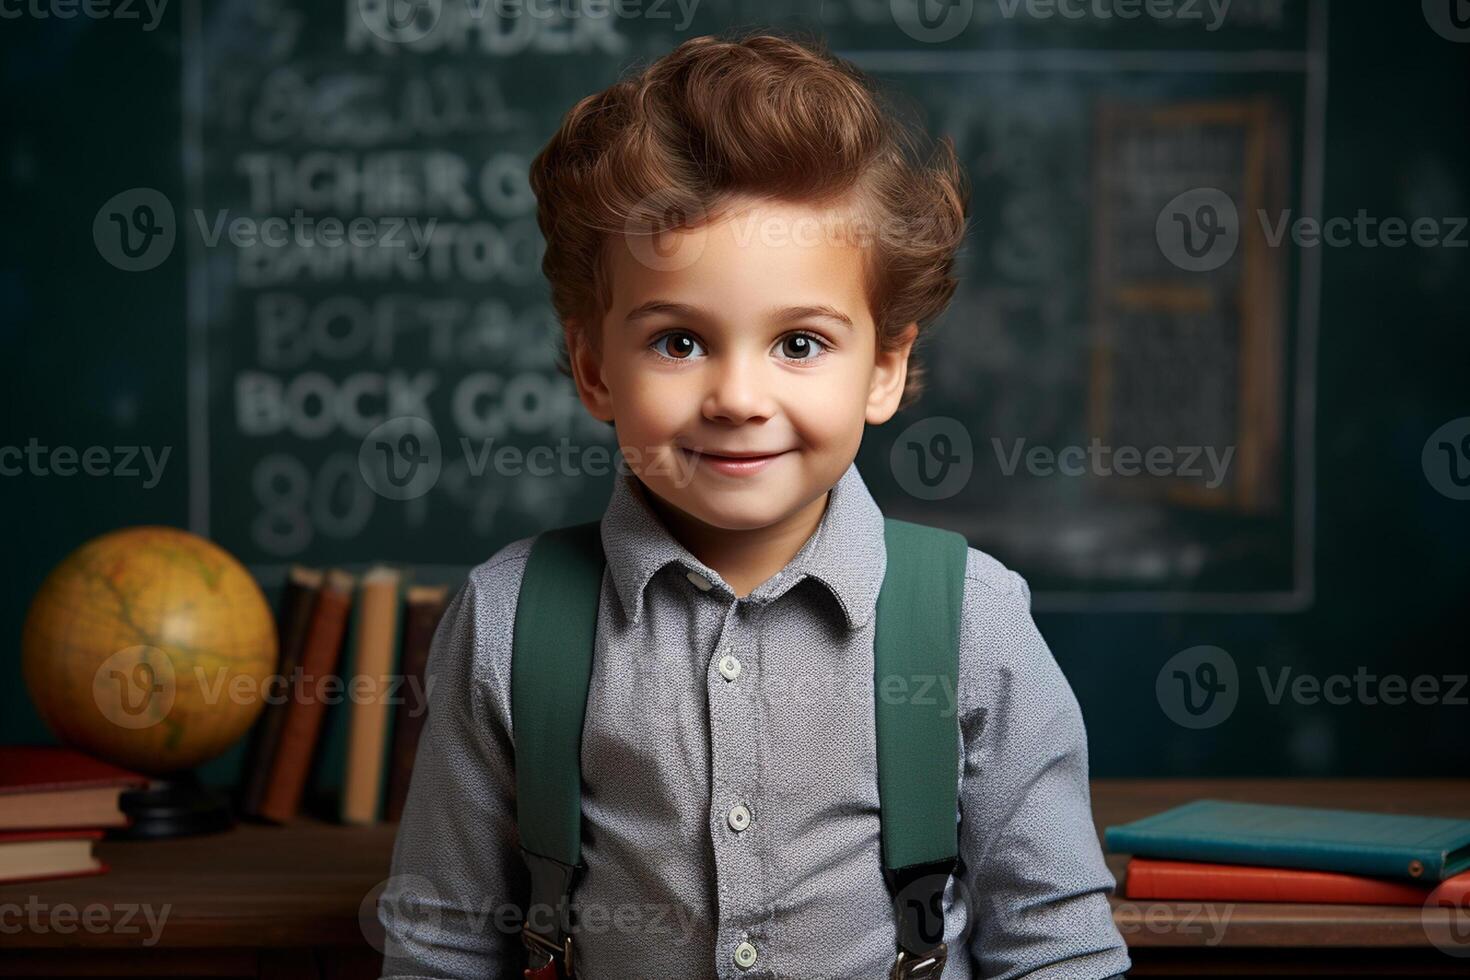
[560, 962]
[550, 953]
[928, 966]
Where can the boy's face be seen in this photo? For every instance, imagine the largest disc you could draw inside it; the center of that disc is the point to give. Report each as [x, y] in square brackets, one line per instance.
[733, 344]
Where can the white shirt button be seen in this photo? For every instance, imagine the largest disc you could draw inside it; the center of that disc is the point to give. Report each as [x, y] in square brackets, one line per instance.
[700, 582]
[729, 667]
[745, 956]
[739, 817]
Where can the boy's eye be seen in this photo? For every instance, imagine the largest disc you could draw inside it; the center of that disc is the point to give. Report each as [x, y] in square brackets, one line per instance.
[681, 346]
[802, 346]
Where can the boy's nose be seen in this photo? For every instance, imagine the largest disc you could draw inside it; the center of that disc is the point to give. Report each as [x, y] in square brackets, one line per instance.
[739, 390]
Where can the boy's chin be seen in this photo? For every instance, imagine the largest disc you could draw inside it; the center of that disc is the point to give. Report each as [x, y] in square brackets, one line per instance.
[727, 508]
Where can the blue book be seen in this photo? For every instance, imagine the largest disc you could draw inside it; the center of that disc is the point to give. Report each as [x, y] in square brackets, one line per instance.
[1393, 845]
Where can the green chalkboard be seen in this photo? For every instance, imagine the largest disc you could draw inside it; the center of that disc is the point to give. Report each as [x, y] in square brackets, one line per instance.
[387, 399]
[259, 374]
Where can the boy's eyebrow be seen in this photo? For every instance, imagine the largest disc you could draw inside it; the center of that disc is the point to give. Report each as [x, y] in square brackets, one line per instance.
[790, 314]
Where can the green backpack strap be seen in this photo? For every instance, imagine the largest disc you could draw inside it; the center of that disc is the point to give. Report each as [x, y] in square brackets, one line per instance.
[915, 671]
[551, 670]
[916, 662]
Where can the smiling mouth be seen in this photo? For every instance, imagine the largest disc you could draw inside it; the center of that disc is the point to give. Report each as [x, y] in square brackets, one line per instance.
[741, 457]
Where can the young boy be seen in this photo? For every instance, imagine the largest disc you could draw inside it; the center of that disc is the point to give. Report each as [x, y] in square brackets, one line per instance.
[730, 820]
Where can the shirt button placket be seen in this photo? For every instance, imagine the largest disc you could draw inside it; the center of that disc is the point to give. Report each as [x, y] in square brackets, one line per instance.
[735, 757]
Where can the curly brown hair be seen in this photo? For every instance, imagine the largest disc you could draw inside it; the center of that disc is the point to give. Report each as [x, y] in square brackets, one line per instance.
[759, 115]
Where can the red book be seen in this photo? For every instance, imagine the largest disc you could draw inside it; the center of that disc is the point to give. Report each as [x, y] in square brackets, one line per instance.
[50, 786]
[302, 727]
[1198, 881]
[33, 855]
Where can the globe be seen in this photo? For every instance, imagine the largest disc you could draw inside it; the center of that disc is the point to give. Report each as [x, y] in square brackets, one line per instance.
[150, 648]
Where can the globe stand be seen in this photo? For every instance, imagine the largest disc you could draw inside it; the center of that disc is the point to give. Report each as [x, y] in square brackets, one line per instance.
[173, 805]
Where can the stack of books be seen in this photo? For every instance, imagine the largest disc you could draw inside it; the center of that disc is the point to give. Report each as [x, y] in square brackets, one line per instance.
[55, 803]
[1217, 850]
[351, 649]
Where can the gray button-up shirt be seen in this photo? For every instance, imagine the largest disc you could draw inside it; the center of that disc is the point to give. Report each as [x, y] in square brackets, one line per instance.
[730, 797]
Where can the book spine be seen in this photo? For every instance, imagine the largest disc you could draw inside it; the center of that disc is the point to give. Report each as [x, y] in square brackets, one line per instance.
[302, 726]
[298, 599]
[370, 686]
[1189, 880]
[1289, 853]
[424, 608]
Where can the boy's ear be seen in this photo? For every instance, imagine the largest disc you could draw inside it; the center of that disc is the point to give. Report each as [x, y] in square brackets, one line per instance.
[890, 372]
[587, 373]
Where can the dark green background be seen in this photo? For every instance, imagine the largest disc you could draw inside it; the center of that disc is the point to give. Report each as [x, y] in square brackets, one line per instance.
[94, 356]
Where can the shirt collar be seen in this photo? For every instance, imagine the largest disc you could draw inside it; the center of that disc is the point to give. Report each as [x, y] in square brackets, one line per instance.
[845, 554]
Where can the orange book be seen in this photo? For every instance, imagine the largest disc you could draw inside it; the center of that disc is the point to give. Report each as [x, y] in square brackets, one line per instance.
[303, 724]
[1197, 881]
[372, 681]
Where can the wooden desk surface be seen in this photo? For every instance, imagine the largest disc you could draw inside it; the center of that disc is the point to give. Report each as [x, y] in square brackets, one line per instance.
[315, 884]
